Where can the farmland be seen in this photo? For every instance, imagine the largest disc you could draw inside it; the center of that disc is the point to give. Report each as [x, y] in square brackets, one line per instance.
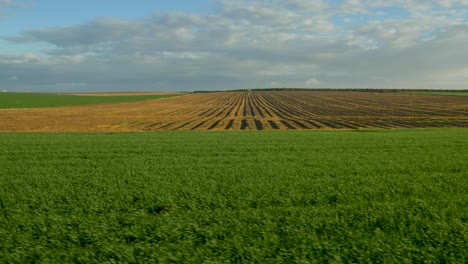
[446, 93]
[223, 177]
[398, 196]
[250, 110]
[32, 100]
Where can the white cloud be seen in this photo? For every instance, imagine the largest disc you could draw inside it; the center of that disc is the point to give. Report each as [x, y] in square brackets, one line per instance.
[255, 44]
[312, 82]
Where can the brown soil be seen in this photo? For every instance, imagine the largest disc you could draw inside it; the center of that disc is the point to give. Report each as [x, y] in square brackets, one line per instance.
[257, 110]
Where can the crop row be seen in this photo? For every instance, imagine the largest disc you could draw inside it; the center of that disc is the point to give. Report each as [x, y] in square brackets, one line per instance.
[258, 110]
[250, 110]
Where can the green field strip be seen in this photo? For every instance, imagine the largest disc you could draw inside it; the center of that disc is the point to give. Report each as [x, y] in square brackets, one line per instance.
[35, 100]
[450, 93]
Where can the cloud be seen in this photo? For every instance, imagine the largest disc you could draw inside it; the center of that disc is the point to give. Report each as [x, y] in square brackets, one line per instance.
[293, 43]
[5, 5]
[312, 82]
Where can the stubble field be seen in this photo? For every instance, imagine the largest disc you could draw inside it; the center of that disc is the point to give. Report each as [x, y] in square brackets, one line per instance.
[250, 110]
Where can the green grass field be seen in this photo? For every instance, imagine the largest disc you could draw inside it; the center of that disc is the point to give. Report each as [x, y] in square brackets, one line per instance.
[30, 100]
[449, 93]
[388, 196]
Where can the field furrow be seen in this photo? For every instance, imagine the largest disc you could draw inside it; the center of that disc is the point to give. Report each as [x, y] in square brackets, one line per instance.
[250, 110]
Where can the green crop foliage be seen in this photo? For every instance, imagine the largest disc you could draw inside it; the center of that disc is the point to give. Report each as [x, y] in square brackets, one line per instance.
[30, 100]
[386, 196]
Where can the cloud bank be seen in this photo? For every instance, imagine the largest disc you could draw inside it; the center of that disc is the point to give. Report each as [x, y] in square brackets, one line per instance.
[252, 44]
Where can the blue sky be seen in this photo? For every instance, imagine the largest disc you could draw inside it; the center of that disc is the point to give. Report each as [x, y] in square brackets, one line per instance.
[55, 13]
[51, 13]
[115, 45]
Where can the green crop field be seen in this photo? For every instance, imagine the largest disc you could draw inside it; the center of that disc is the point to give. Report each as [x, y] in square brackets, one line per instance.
[398, 196]
[449, 93]
[30, 100]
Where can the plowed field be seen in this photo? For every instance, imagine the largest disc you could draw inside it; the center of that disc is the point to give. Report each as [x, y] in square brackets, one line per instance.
[250, 110]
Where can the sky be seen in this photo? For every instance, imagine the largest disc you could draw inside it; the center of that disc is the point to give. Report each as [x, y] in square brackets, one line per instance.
[160, 45]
